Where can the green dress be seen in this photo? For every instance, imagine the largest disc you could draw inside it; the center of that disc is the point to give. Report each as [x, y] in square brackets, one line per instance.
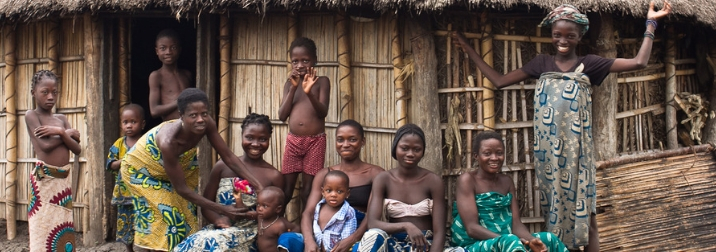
[495, 214]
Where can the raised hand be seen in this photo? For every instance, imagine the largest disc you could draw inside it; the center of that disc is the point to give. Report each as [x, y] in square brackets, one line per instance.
[459, 41]
[309, 79]
[654, 15]
[295, 77]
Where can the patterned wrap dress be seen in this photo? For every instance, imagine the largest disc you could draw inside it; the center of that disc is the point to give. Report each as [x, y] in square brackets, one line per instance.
[564, 154]
[120, 194]
[163, 218]
[49, 212]
[495, 214]
[237, 238]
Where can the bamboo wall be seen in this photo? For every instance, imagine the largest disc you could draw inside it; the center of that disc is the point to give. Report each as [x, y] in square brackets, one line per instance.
[32, 46]
[259, 73]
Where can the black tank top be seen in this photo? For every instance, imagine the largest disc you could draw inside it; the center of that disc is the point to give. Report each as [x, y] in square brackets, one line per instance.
[360, 195]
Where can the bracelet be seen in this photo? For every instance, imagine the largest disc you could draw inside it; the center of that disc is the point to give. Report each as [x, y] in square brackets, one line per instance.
[651, 22]
[648, 34]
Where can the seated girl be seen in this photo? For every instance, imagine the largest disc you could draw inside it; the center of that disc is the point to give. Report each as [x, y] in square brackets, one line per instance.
[225, 234]
[412, 198]
[483, 214]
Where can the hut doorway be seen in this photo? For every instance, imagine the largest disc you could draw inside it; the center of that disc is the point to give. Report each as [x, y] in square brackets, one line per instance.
[144, 59]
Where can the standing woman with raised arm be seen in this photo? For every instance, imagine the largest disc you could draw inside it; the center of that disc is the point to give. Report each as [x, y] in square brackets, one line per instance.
[563, 109]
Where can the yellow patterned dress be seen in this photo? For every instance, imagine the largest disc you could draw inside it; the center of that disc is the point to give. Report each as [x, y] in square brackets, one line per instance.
[163, 218]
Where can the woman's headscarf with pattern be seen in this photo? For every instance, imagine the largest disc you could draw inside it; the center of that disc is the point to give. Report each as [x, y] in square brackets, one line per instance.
[566, 12]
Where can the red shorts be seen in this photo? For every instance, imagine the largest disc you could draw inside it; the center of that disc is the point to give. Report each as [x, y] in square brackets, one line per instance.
[304, 154]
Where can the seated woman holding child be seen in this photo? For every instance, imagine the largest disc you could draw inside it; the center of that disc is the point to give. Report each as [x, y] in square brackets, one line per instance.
[412, 198]
[225, 234]
[483, 214]
[350, 139]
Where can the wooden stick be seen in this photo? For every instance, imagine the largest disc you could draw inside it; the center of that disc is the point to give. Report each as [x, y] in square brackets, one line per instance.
[291, 36]
[652, 155]
[401, 109]
[344, 67]
[670, 73]
[93, 191]
[123, 75]
[11, 131]
[488, 109]
[225, 92]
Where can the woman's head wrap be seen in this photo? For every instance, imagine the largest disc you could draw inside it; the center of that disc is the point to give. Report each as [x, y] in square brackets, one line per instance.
[566, 12]
[408, 129]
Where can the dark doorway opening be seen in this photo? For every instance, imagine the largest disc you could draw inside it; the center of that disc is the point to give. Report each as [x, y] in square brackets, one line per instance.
[144, 59]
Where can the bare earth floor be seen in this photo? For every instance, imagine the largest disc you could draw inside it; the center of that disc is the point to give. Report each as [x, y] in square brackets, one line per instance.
[21, 241]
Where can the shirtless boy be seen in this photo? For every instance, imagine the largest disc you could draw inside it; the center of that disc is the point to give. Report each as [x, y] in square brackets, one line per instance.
[167, 82]
[306, 141]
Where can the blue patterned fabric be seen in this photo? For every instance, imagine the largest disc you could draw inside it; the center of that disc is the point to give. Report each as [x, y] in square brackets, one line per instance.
[564, 154]
[377, 240]
[339, 227]
[239, 237]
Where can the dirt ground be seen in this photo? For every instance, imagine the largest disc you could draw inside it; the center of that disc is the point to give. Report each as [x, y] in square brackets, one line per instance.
[21, 241]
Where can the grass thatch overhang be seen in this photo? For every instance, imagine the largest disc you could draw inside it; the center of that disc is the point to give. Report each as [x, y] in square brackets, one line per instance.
[703, 11]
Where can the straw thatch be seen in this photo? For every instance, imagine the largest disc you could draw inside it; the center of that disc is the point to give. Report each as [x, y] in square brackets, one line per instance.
[701, 10]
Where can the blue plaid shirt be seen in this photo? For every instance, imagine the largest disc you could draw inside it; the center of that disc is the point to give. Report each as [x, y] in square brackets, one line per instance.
[341, 225]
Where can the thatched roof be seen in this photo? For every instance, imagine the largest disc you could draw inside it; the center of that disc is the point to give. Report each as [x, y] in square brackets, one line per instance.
[703, 11]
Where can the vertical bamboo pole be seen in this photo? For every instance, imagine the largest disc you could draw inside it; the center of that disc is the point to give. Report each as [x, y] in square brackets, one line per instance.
[670, 65]
[710, 126]
[94, 178]
[225, 77]
[123, 75]
[291, 36]
[488, 95]
[11, 131]
[400, 95]
[344, 67]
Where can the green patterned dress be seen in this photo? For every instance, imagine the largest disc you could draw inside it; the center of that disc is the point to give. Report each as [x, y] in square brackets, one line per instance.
[495, 214]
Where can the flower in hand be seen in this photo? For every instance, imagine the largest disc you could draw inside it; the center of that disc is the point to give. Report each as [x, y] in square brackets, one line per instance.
[242, 186]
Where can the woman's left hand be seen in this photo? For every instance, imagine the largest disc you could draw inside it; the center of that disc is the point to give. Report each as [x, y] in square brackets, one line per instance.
[417, 238]
[343, 246]
[654, 15]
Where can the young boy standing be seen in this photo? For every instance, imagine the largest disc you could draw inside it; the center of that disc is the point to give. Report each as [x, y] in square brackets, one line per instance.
[132, 121]
[307, 108]
[167, 82]
[49, 211]
[334, 219]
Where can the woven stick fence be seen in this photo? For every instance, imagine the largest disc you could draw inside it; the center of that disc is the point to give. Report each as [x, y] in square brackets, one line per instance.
[662, 201]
